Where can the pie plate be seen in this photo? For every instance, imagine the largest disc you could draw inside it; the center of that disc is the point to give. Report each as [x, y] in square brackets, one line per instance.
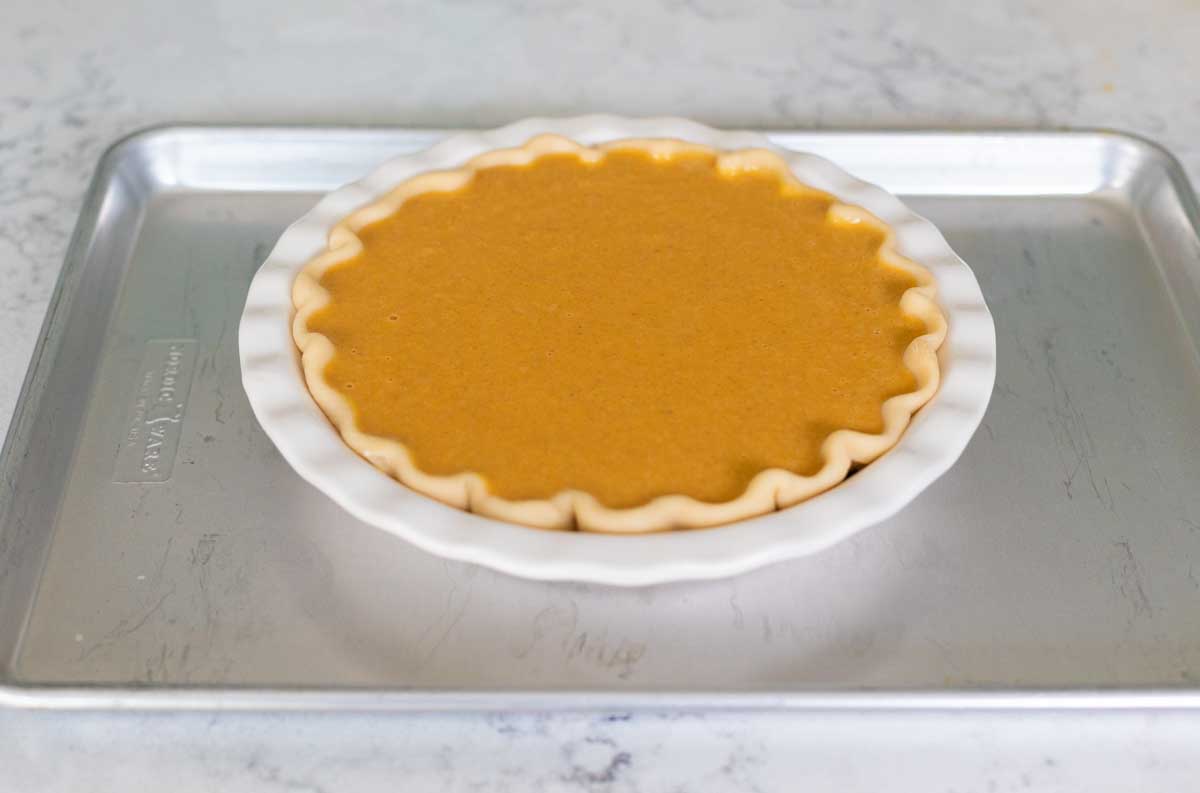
[938, 434]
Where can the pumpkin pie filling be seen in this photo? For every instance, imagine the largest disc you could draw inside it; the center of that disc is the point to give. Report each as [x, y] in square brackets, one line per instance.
[630, 325]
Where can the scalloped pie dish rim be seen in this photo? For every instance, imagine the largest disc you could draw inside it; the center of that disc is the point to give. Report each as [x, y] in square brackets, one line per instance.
[780, 515]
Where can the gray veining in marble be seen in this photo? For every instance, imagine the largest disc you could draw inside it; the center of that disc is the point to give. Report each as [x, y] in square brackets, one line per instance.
[739, 753]
[74, 76]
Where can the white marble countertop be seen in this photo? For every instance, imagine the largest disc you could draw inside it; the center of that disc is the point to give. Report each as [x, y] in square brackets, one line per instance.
[73, 77]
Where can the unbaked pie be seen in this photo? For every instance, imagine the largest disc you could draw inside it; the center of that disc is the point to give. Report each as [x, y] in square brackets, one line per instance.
[637, 336]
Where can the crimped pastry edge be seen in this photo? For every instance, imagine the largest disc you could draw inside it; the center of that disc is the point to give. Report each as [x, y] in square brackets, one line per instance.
[769, 490]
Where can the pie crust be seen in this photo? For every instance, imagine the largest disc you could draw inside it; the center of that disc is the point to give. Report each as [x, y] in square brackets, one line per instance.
[771, 489]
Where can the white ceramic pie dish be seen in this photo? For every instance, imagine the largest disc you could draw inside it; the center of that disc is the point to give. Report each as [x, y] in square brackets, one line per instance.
[932, 442]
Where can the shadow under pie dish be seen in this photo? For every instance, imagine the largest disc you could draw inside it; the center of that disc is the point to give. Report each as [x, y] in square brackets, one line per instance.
[641, 335]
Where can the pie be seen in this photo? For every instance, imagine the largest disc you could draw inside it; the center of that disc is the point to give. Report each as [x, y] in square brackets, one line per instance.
[636, 336]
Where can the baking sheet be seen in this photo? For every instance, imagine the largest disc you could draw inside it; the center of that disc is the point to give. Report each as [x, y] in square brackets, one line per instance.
[1055, 564]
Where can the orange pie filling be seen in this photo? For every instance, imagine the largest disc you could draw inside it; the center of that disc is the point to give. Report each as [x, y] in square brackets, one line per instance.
[627, 323]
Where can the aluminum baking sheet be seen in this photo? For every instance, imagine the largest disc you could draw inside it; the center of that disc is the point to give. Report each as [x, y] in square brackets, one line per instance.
[156, 551]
